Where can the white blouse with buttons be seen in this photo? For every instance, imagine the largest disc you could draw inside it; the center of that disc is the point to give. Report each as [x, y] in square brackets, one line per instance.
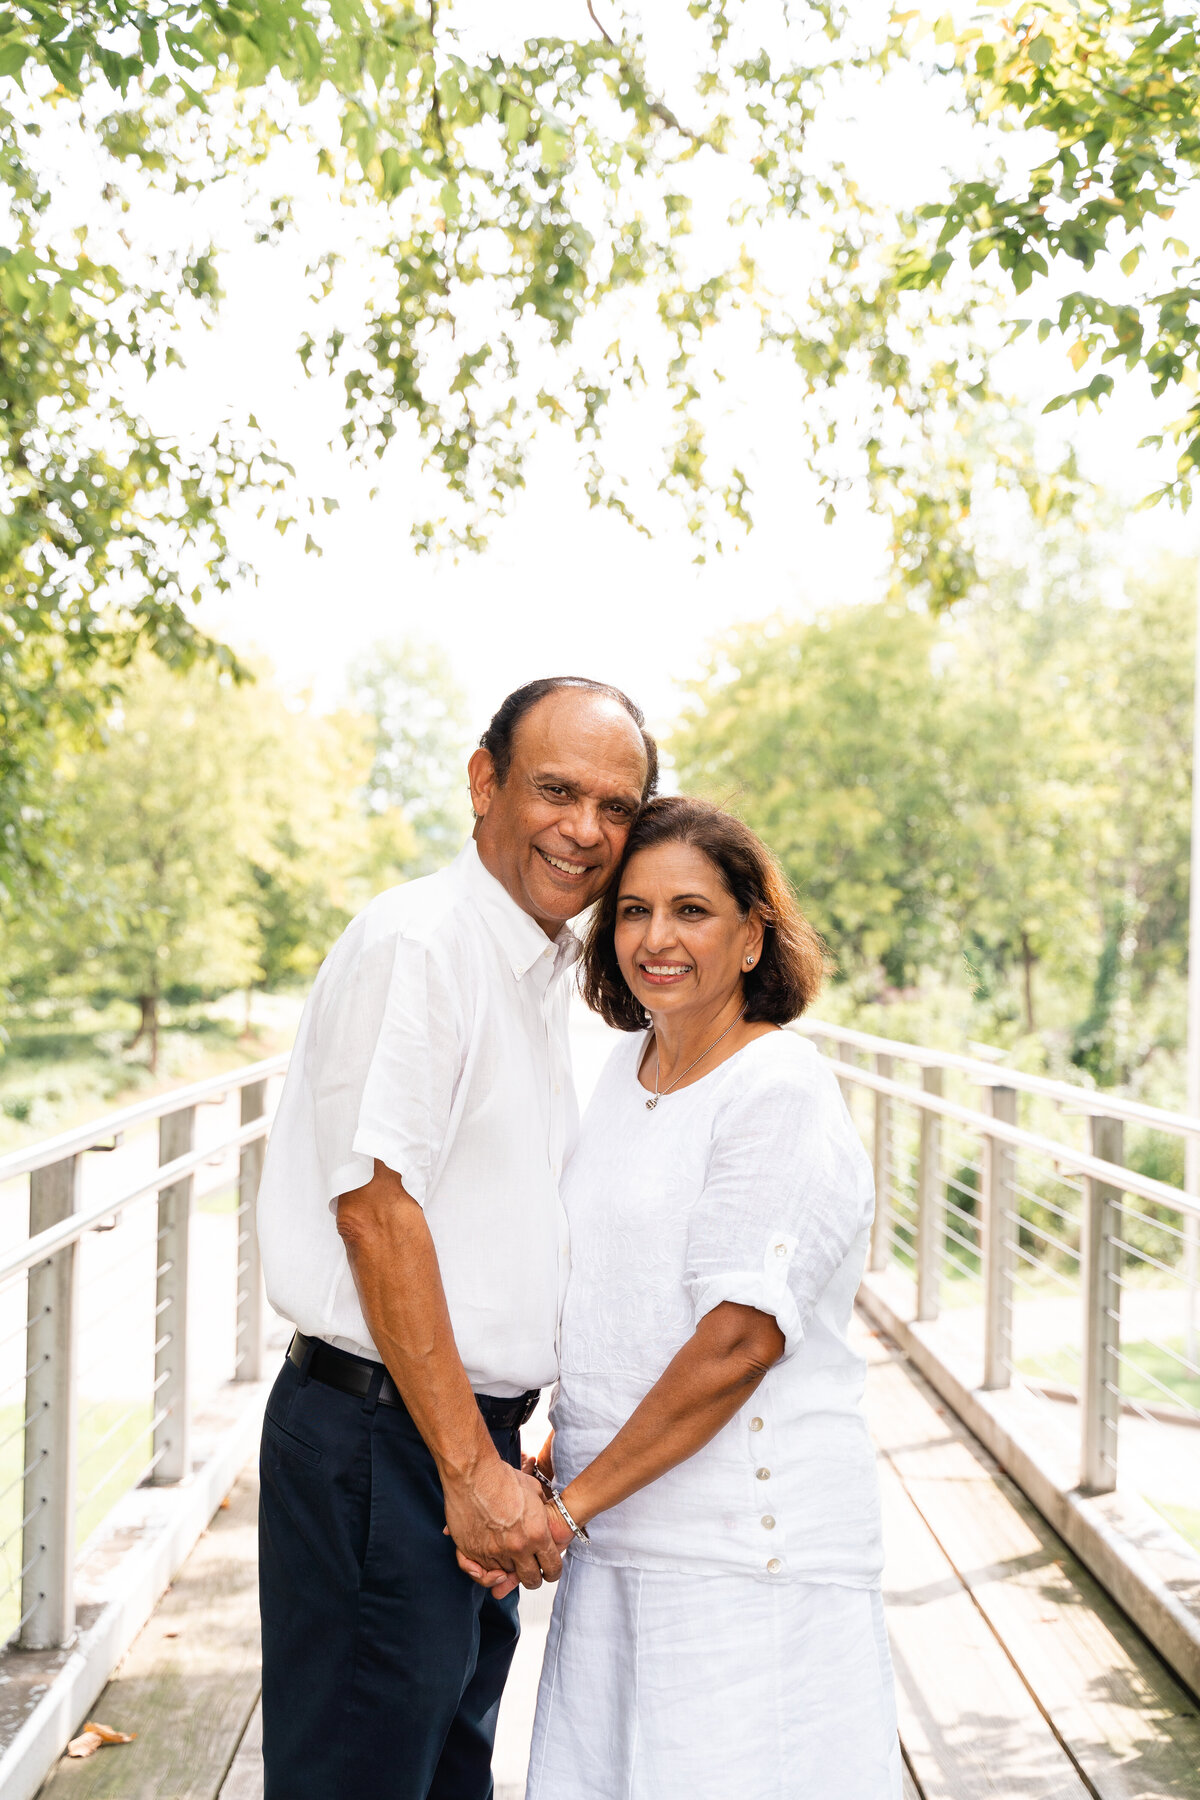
[749, 1185]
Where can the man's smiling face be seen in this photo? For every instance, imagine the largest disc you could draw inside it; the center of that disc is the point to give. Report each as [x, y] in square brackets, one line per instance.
[552, 833]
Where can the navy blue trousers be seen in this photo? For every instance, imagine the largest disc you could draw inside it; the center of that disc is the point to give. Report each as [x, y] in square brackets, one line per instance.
[383, 1664]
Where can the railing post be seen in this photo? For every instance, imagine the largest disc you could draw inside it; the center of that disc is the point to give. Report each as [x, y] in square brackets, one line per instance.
[845, 1055]
[883, 1166]
[1000, 1229]
[48, 1510]
[931, 1222]
[248, 1342]
[172, 1406]
[1100, 1375]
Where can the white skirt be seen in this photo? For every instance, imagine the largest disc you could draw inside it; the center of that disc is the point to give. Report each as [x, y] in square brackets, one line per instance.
[714, 1687]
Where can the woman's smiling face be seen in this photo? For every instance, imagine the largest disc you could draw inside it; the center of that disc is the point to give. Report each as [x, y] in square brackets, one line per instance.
[680, 940]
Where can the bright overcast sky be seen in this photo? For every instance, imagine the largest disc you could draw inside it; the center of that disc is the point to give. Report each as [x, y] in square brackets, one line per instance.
[560, 589]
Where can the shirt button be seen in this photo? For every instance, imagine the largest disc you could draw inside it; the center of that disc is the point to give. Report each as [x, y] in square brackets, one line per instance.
[774, 1566]
[756, 1424]
[781, 1249]
[763, 1474]
[548, 951]
[768, 1522]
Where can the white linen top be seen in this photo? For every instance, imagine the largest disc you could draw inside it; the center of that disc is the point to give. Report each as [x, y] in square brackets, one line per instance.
[749, 1185]
[435, 1038]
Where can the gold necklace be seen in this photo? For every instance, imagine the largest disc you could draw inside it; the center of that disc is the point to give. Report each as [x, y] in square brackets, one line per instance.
[657, 1095]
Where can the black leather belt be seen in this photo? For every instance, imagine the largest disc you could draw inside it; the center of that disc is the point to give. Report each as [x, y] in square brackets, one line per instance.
[356, 1374]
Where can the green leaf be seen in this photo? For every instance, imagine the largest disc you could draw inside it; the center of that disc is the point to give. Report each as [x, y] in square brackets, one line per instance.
[516, 124]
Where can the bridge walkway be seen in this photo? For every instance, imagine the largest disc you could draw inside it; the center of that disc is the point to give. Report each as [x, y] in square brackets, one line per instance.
[1018, 1677]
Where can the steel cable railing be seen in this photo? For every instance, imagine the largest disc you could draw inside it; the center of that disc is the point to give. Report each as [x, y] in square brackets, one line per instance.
[1011, 1199]
[98, 1380]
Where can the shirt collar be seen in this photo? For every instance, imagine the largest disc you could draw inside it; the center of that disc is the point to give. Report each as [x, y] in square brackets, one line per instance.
[521, 938]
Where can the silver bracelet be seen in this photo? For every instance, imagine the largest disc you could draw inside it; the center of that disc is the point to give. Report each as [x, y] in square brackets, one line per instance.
[579, 1531]
[555, 1498]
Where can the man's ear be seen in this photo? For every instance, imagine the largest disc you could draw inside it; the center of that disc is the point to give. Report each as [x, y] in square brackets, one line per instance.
[481, 772]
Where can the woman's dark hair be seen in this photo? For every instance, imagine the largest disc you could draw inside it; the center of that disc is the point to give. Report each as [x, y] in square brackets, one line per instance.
[788, 974]
[497, 740]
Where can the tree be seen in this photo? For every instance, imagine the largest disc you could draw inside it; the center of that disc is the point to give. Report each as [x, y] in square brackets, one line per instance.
[1137, 675]
[1113, 88]
[830, 740]
[220, 836]
[525, 261]
[162, 823]
[1028, 809]
[417, 710]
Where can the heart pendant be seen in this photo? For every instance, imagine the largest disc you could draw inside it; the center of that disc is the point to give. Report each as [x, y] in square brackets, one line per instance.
[651, 1103]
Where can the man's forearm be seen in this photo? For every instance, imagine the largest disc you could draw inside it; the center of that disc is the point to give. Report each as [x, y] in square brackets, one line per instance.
[395, 1268]
[493, 1512]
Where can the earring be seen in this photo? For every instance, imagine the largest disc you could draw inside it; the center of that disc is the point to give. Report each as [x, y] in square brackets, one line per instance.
[749, 962]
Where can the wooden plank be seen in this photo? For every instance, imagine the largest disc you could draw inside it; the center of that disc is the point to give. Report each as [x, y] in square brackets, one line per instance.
[911, 1791]
[968, 1725]
[191, 1680]
[245, 1778]
[1125, 1720]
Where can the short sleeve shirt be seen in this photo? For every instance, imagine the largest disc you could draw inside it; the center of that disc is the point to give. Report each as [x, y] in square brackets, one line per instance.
[750, 1185]
[435, 1039]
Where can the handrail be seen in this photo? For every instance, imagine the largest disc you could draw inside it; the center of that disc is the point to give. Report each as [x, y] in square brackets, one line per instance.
[83, 1137]
[68, 1231]
[919, 1205]
[52, 1262]
[1096, 1101]
[1072, 1161]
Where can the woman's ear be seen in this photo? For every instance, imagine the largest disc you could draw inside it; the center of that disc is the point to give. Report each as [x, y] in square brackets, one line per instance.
[755, 933]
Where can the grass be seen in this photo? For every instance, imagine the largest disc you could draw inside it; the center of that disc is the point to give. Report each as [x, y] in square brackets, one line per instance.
[65, 1066]
[1148, 1359]
[1185, 1519]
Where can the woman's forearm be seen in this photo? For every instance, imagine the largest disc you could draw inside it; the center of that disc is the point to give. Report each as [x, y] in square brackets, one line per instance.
[698, 1392]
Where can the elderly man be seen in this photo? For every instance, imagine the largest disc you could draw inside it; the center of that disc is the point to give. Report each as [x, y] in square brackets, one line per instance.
[411, 1229]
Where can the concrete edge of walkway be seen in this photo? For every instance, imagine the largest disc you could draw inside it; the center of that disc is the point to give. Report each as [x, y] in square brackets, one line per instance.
[161, 1539]
[1109, 1534]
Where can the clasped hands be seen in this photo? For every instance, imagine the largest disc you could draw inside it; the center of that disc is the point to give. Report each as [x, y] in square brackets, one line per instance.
[506, 1533]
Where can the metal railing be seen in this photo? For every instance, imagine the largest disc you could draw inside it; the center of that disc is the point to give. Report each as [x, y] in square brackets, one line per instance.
[96, 1357]
[1040, 1222]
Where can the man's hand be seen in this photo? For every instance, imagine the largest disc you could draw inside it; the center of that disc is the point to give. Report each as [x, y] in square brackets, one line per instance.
[499, 1525]
[500, 1584]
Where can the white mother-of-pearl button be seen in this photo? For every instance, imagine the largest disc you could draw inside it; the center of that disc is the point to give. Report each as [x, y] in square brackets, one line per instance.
[768, 1522]
[781, 1249]
[763, 1474]
[774, 1566]
[756, 1424]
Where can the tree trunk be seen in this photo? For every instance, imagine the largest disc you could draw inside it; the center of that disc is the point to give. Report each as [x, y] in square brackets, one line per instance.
[1027, 961]
[147, 1028]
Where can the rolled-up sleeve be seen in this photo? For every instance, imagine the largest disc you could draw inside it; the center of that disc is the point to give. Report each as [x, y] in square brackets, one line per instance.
[388, 1066]
[787, 1192]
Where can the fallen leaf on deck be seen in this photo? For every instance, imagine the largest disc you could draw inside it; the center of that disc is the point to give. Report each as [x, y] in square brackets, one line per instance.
[85, 1744]
[107, 1735]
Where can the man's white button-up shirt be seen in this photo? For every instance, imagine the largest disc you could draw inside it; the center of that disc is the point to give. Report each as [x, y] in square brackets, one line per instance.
[435, 1038]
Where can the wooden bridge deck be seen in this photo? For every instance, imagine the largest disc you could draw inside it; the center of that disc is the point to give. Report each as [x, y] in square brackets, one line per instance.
[1017, 1676]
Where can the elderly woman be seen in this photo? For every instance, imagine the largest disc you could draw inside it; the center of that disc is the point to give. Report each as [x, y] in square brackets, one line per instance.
[718, 1631]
